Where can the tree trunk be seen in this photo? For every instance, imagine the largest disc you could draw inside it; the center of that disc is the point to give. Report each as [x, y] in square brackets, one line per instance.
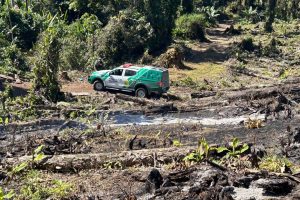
[294, 9]
[271, 16]
[125, 159]
[26, 3]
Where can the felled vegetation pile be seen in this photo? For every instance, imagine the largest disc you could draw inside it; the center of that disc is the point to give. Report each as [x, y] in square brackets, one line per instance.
[172, 58]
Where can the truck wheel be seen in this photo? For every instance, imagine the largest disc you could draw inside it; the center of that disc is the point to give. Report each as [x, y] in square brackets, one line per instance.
[141, 92]
[98, 85]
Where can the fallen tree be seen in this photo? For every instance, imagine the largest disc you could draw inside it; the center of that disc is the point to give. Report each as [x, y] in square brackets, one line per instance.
[77, 162]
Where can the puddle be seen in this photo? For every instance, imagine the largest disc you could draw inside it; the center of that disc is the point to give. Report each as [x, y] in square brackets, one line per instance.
[206, 118]
[143, 120]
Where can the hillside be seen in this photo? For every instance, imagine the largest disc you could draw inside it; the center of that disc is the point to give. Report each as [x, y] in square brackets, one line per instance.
[228, 127]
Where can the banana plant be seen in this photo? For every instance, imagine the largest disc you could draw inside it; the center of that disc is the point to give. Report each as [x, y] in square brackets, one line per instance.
[233, 151]
[201, 152]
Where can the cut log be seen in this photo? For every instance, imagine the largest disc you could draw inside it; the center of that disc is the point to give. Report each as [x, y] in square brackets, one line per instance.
[203, 94]
[167, 107]
[77, 162]
[141, 101]
[262, 93]
[253, 94]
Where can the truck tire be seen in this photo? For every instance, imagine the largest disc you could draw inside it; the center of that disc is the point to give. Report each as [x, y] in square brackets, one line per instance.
[141, 92]
[98, 85]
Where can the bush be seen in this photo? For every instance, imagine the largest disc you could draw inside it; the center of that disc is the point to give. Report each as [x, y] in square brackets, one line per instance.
[247, 44]
[23, 27]
[271, 49]
[12, 60]
[191, 26]
[124, 38]
[45, 82]
[78, 43]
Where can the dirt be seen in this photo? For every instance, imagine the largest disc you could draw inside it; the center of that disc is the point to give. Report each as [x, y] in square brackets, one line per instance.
[105, 161]
[111, 145]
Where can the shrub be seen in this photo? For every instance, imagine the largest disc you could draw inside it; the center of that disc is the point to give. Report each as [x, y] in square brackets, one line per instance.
[12, 60]
[45, 70]
[124, 38]
[191, 26]
[23, 27]
[247, 44]
[78, 43]
[271, 49]
[274, 163]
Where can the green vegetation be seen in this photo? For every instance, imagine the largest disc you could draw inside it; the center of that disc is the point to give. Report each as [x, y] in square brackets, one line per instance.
[274, 163]
[191, 26]
[46, 65]
[33, 185]
[131, 28]
[200, 153]
[9, 195]
[204, 150]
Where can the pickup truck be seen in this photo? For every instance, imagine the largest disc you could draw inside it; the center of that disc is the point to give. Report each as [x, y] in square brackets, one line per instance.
[142, 80]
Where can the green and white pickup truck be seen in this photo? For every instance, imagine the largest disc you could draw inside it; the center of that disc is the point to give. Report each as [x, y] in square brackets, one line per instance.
[143, 80]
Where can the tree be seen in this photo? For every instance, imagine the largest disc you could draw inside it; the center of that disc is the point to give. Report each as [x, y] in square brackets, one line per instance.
[271, 16]
[45, 71]
[27, 4]
[161, 14]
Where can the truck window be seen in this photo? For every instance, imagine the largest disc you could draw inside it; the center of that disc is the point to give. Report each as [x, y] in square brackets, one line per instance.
[117, 72]
[130, 72]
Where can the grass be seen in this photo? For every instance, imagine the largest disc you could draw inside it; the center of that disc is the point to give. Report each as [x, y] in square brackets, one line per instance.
[199, 71]
[274, 163]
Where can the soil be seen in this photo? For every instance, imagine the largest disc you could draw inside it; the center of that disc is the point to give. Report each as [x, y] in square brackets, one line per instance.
[111, 145]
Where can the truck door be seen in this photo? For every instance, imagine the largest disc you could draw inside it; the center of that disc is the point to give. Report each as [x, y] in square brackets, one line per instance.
[127, 74]
[115, 79]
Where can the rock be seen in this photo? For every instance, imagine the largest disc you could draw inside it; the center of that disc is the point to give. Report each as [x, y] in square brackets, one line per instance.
[219, 193]
[296, 135]
[209, 184]
[295, 195]
[3, 176]
[248, 194]
[3, 137]
[154, 181]
[244, 181]
[280, 186]
[210, 178]
[232, 31]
